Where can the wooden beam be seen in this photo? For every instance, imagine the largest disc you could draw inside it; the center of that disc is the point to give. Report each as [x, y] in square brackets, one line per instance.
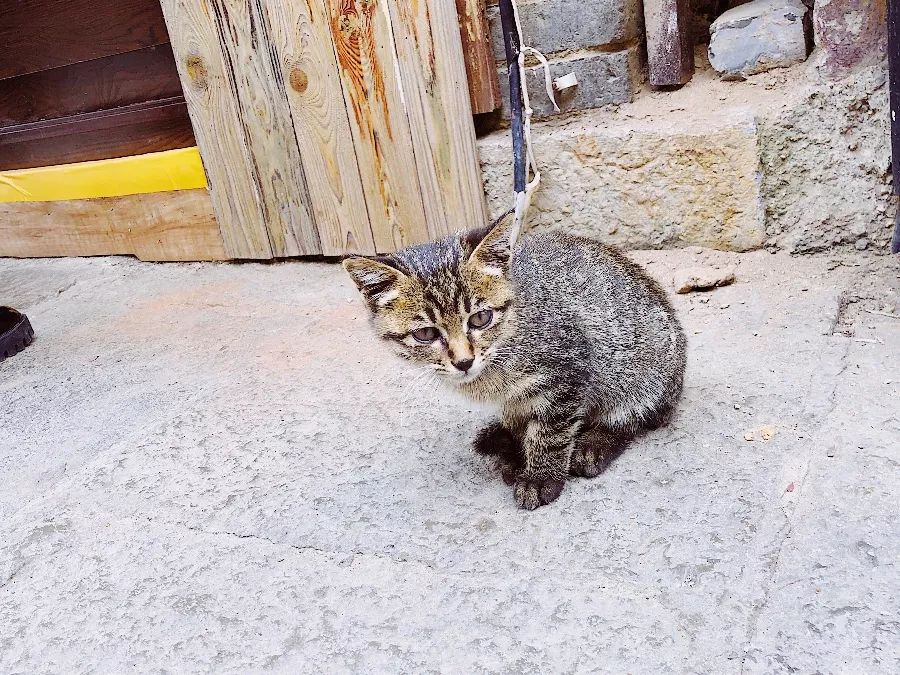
[301, 37]
[208, 88]
[379, 123]
[481, 71]
[159, 226]
[432, 67]
[150, 126]
[670, 50]
[37, 35]
[102, 84]
[238, 103]
[266, 120]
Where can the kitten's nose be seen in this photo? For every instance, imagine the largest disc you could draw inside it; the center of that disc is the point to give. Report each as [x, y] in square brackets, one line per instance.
[464, 365]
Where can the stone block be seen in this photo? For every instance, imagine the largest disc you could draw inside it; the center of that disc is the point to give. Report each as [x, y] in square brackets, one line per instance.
[603, 78]
[759, 36]
[668, 180]
[850, 33]
[561, 25]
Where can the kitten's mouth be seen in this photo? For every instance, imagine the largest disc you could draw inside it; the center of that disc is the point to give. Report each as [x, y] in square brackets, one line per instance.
[470, 375]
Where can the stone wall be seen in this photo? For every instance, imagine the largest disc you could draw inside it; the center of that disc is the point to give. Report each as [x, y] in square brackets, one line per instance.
[599, 40]
[826, 166]
[800, 164]
[794, 159]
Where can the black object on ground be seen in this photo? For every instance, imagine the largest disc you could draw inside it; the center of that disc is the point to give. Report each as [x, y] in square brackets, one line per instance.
[16, 332]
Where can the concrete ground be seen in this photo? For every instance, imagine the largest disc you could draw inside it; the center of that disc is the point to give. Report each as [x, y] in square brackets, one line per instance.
[215, 467]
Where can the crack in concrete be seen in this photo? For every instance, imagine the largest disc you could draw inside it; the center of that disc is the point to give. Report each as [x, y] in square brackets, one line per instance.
[341, 560]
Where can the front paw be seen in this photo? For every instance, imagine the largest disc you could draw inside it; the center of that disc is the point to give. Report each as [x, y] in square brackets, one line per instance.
[495, 439]
[587, 462]
[531, 493]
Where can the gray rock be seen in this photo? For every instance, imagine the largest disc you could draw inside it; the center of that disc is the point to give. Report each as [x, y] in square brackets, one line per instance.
[603, 78]
[759, 36]
[554, 26]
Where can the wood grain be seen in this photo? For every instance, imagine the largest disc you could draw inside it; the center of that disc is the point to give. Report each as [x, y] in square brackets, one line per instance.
[111, 82]
[37, 35]
[265, 116]
[434, 84]
[364, 45]
[481, 70]
[302, 39]
[159, 226]
[209, 89]
[151, 126]
[242, 119]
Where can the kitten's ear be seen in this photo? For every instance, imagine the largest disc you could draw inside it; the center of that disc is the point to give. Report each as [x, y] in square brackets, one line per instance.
[491, 247]
[375, 279]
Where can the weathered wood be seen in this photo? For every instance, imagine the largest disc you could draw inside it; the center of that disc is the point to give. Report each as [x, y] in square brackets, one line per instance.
[152, 126]
[238, 103]
[670, 51]
[364, 46]
[209, 88]
[432, 68]
[37, 35]
[301, 37]
[329, 112]
[160, 226]
[147, 74]
[265, 116]
[481, 71]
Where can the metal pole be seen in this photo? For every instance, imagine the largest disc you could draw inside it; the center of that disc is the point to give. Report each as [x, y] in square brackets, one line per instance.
[511, 42]
[894, 74]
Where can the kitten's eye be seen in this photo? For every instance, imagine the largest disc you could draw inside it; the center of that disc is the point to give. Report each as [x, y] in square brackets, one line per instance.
[426, 335]
[481, 319]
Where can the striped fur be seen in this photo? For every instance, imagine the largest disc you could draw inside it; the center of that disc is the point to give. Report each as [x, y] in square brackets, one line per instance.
[583, 350]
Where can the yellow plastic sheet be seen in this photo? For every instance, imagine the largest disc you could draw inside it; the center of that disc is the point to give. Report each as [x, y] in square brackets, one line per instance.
[154, 172]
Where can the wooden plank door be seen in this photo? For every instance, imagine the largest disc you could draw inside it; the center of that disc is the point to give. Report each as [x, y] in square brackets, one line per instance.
[329, 126]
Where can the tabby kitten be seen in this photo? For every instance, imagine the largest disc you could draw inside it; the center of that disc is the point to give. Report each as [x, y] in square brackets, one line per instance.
[577, 345]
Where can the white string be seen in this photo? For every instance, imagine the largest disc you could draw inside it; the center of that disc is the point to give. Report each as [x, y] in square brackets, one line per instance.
[523, 199]
[548, 76]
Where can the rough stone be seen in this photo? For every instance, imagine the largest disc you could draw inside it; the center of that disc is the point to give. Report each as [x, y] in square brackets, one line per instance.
[603, 78]
[553, 26]
[728, 165]
[213, 467]
[819, 193]
[849, 34]
[695, 278]
[656, 182]
[758, 36]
